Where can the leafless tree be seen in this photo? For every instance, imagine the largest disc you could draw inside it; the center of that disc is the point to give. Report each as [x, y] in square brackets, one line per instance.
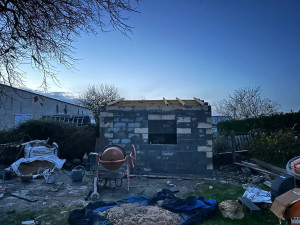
[246, 103]
[98, 95]
[42, 32]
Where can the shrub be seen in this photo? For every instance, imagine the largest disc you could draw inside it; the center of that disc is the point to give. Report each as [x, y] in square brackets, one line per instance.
[264, 123]
[73, 141]
[279, 146]
[220, 143]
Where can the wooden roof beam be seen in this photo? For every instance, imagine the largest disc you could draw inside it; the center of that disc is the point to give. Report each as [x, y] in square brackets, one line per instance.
[165, 101]
[114, 102]
[199, 101]
[182, 102]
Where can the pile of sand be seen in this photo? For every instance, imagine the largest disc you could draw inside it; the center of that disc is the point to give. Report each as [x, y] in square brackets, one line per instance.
[129, 214]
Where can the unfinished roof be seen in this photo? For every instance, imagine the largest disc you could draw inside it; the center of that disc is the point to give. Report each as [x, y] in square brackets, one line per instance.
[163, 102]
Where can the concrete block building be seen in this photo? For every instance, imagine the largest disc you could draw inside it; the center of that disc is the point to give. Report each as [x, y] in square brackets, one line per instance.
[171, 136]
[17, 106]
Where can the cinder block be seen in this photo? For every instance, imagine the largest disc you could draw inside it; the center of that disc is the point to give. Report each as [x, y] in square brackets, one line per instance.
[204, 125]
[106, 124]
[210, 166]
[141, 130]
[208, 131]
[139, 119]
[154, 108]
[125, 141]
[139, 108]
[154, 117]
[184, 131]
[208, 119]
[209, 154]
[205, 107]
[184, 119]
[133, 135]
[115, 141]
[168, 117]
[209, 142]
[120, 125]
[108, 135]
[122, 108]
[134, 124]
[125, 120]
[106, 114]
[204, 149]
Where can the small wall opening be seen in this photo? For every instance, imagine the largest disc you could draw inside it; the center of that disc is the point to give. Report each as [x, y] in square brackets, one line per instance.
[162, 132]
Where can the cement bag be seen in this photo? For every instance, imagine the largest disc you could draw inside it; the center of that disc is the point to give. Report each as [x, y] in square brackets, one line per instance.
[39, 148]
[33, 169]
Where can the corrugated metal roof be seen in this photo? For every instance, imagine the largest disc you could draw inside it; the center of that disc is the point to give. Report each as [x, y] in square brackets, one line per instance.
[44, 96]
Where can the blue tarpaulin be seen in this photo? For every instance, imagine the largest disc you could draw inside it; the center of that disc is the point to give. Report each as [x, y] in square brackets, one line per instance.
[192, 210]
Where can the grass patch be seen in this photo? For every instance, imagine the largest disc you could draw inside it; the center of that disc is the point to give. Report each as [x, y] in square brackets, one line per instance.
[222, 192]
[56, 215]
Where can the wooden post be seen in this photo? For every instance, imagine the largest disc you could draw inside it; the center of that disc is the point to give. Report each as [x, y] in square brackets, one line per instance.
[233, 145]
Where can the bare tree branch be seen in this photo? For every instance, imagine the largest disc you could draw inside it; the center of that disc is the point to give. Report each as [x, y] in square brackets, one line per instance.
[246, 103]
[97, 96]
[43, 31]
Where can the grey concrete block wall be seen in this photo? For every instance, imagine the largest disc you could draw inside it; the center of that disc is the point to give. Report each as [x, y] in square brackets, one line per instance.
[126, 125]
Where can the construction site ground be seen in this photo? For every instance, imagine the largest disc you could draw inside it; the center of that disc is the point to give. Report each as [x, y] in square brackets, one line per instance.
[51, 203]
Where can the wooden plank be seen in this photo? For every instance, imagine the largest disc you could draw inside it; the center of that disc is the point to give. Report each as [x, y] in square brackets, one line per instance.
[181, 102]
[165, 101]
[269, 166]
[255, 168]
[114, 102]
[199, 101]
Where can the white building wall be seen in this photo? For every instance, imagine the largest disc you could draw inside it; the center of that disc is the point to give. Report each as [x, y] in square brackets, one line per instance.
[15, 101]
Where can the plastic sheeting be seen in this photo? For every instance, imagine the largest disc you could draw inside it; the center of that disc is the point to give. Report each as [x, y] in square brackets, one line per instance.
[192, 210]
[257, 195]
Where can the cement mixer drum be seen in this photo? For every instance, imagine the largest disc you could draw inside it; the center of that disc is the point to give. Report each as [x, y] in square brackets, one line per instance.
[112, 157]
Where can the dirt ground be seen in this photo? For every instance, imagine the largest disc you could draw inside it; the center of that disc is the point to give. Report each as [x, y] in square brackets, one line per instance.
[65, 193]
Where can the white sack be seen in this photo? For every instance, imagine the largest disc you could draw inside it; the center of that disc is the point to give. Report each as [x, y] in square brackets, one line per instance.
[50, 158]
[38, 148]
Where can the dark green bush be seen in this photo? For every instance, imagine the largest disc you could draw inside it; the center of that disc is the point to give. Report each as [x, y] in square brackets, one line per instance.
[267, 124]
[220, 143]
[73, 141]
[278, 147]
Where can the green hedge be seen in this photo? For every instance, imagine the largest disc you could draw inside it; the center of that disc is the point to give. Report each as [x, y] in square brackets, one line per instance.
[263, 123]
[277, 148]
[73, 141]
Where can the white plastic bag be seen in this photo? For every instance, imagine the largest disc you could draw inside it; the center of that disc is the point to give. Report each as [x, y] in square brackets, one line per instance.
[257, 195]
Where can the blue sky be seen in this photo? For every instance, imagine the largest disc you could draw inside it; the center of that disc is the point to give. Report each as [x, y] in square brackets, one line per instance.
[194, 48]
